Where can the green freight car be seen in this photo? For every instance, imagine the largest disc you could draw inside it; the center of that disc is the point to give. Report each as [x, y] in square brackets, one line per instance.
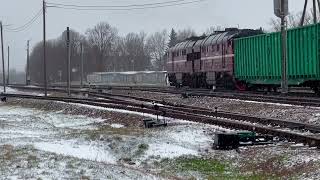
[258, 58]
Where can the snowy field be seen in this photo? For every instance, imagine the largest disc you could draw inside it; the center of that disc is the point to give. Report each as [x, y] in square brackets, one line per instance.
[57, 143]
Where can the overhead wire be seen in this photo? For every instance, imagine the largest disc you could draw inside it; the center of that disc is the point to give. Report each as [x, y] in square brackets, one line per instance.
[123, 9]
[99, 8]
[26, 25]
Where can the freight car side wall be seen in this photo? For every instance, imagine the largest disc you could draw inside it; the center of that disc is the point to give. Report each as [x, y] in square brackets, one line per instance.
[258, 58]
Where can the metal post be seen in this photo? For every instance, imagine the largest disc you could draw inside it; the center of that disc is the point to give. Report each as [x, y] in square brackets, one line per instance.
[44, 50]
[28, 68]
[318, 5]
[132, 61]
[304, 12]
[68, 64]
[8, 66]
[314, 12]
[284, 83]
[2, 51]
[81, 66]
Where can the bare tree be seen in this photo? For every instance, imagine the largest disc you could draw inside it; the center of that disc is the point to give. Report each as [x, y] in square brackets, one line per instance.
[185, 33]
[103, 39]
[213, 29]
[57, 58]
[136, 51]
[293, 20]
[103, 51]
[157, 45]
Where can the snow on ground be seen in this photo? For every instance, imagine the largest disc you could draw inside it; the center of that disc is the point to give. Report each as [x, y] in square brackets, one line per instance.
[165, 150]
[8, 90]
[69, 148]
[117, 125]
[15, 91]
[265, 103]
[53, 145]
[79, 137]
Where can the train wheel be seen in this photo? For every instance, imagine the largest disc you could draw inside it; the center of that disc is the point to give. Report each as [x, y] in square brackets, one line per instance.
[240, 86]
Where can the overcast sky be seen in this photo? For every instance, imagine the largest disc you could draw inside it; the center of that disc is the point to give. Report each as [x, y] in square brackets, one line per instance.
[199, 16]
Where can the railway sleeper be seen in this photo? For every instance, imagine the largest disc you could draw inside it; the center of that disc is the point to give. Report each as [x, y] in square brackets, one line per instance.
[253, 119]
[311, 141]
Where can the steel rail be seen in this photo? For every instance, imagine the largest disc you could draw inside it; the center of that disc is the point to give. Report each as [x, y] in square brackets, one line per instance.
[291, 100]
[220, 114]
[177, 113]
[204, 111]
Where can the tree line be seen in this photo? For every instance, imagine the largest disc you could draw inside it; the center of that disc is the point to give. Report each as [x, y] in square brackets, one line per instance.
[104, 50]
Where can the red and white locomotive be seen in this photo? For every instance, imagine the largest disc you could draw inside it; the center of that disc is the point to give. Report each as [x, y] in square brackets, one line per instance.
[205, 61]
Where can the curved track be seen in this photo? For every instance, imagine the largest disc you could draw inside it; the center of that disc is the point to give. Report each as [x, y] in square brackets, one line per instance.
[291, 99]
[225, 119]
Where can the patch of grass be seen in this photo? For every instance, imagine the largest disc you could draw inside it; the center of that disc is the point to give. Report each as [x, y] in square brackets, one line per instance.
[85, 178]
[203, 166]
[96, 134]
[210, 169]
[141, 149]
[8, 149]
[272, 167]
[32, 161]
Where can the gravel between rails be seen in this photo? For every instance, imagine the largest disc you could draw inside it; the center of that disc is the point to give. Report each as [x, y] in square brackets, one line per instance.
[268, 110]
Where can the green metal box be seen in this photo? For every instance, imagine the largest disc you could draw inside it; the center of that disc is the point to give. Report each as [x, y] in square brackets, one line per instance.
[258, 58]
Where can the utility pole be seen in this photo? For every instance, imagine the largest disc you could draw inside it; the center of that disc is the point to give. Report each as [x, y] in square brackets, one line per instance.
[284, 84]
[8, 65]
[304, 12]
[2, 51]
[318, 5]
[132, 61]
[69, 62]
[28, 65]
[281, 10]
[44, 50]
[81, 66]
[314, 12]
[315, 20]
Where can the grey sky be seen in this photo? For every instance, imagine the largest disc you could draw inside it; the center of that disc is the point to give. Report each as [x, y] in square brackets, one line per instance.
[199, 16]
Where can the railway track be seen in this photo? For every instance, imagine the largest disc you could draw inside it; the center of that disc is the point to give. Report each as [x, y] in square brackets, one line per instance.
[215, 113]
[246, 96]
[224, 119]
[301, 99]
[204, 111]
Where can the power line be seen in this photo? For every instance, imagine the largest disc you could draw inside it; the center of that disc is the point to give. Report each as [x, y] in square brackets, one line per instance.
[118, 6]
[26, 25]
[126, 9]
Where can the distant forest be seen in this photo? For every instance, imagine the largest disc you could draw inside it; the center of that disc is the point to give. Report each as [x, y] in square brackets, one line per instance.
[104, 51]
